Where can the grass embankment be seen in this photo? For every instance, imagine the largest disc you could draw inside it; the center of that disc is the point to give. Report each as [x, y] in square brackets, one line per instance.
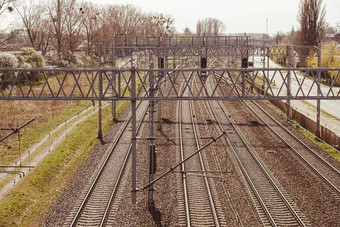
[32, 198]
[47, 114]
[323, 145]
[326, 147]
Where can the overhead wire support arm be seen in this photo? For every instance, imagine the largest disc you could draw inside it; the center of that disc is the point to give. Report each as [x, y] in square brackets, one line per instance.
[180, 163]
[15, 130]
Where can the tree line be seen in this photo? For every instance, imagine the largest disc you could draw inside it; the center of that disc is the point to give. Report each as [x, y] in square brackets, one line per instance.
[67, 26]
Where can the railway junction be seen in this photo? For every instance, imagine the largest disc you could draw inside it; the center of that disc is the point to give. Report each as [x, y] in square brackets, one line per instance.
[200, 144]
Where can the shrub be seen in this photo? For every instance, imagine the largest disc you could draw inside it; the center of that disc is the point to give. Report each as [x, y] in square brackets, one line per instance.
[8, 60]
[30, 57]
[70, 59]
[75, 59]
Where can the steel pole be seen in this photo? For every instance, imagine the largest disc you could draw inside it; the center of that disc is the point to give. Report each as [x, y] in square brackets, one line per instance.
[100, 84]
[114, 93]
[133, 136]
[289, 110]
[151, 137]
[264, 66]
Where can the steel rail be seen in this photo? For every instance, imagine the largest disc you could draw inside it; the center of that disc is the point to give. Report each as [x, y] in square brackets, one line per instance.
[85, 200]
[214, 217]
[218, 165]
[297, 153]
[243, 170]
[207, 185]
[184, 179]
[266, 174]
[121, 174]
[284, 199]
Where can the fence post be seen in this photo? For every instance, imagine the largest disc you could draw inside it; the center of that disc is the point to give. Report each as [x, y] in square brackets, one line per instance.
[319, 93]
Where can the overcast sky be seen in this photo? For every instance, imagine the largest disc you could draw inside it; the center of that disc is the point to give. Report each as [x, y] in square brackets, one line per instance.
[238, 15]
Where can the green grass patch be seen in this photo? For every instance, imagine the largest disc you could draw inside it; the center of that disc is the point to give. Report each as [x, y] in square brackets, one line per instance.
[326, 147]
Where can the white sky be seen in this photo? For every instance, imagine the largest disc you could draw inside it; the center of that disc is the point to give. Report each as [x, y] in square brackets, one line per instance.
[238, 15]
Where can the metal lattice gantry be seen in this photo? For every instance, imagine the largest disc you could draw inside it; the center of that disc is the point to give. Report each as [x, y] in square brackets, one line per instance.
[182, 45]
[205, 45]
[107, 84]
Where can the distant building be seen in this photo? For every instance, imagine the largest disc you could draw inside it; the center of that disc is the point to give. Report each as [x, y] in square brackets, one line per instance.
[334, 37]
[337, 37]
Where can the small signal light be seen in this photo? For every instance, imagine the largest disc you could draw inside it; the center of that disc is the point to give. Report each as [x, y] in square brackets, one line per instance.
[203, 62]
[244, 63]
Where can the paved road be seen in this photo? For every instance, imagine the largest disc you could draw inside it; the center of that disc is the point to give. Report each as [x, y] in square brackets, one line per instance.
[308, 107]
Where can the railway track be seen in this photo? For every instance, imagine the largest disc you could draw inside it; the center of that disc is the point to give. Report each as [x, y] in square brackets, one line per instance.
[324, 170]
[101, 199]
[310, 158]
[220, 172]
[199, 205]
[273, 206]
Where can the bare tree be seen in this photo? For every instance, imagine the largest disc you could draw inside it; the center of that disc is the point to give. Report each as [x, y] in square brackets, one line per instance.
[312, 23]
[279, 37]
[91, 23]
[37, 26]
[73, 25]
[187, 31]
[199, 30]
[158, 23]
[210, 26]
[56, 11]
[6, 5]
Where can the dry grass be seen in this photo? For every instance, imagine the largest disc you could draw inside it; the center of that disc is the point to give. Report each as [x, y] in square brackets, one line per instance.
[47, 115]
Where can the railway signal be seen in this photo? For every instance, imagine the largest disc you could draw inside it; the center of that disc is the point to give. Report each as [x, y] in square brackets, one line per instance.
[203, 66]
[161, 62]
[244, 63]
[203, 63]
[152, 162]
